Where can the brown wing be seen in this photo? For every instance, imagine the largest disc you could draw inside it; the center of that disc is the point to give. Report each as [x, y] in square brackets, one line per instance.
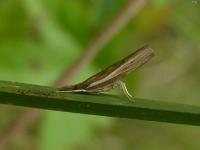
[107, 77]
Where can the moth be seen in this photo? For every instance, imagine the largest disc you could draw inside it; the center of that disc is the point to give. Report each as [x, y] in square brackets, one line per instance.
[111, 76]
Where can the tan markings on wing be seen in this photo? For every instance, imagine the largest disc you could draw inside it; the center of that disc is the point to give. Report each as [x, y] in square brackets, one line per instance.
[131, 62]
[117, 70]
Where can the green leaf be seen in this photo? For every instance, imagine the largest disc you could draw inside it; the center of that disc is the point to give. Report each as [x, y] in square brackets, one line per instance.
[97, 104]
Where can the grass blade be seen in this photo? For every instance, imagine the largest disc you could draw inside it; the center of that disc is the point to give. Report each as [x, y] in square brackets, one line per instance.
[99, 104]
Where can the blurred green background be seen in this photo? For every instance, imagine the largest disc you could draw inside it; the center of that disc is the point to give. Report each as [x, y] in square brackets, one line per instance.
[40, 38]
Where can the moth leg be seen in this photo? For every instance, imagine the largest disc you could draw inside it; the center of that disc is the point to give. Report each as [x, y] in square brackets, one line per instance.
[122, 86]
[65, 91]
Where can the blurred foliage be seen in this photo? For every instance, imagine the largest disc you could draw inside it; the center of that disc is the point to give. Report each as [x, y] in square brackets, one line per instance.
[38, 39]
